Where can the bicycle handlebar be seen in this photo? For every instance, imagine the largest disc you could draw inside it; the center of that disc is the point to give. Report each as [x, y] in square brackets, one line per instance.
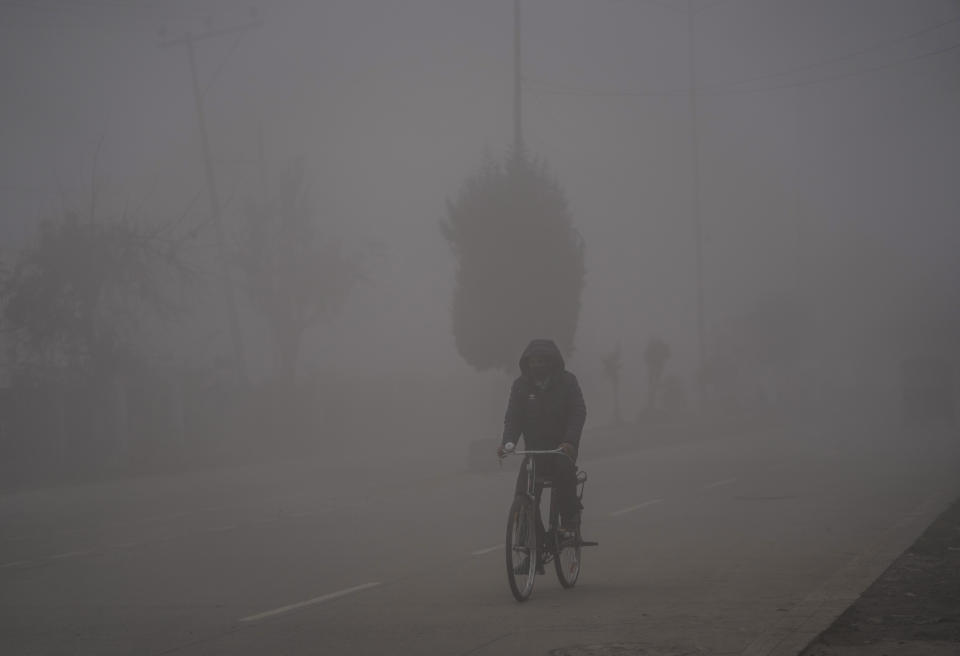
[536, 453]
[552, 452]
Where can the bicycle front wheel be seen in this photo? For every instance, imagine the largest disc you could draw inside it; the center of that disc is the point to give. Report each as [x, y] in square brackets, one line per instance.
[521, 548]
[567, 561]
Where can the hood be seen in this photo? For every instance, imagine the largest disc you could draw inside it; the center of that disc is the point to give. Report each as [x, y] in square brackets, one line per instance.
[543, 347]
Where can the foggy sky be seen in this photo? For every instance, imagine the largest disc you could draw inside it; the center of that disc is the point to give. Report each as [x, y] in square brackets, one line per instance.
[393, 104]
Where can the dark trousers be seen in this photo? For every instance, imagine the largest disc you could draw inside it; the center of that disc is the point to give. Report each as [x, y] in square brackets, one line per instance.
[563, 474]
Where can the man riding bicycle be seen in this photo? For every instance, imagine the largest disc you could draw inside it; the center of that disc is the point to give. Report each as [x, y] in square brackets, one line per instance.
[546, 407]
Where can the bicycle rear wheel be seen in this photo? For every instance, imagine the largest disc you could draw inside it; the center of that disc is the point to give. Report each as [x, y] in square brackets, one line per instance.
[567, 560]
[521, 548]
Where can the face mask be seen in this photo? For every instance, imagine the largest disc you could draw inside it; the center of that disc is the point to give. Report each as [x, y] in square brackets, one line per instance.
[540, 374]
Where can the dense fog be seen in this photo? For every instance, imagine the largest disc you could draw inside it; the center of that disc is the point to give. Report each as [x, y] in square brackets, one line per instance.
[266, 274]
[813, 162]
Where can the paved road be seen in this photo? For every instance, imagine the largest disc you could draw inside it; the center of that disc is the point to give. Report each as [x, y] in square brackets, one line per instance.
[746, 545]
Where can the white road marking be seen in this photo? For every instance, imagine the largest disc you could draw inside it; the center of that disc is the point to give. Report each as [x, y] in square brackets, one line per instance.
[264, 520]
[16, 563]
[178, 515]
[163, 518]
[71, 553]
[636, 507]
[725, 481]
[309, 602]
[480, 552]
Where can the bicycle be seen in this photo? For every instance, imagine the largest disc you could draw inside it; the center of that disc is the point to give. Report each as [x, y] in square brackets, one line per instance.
[529, 545]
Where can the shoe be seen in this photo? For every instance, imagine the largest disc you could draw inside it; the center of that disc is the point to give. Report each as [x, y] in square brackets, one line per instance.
[523, 567]
[570, 524]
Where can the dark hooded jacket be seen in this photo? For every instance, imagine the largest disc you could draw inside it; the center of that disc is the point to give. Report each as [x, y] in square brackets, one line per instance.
[549, 414]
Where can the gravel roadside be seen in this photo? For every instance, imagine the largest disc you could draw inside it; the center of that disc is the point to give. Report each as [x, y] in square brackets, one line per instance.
[912, 609]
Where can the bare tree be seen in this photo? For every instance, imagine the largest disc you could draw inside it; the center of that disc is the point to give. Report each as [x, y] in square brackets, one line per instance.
[296, 271]
[655, 356]
[611, 368]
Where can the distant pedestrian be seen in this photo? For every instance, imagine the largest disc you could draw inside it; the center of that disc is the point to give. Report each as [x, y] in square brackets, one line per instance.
[655, 357]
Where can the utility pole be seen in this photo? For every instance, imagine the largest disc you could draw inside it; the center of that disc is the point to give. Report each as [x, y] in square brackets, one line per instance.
[262, 163]
[236, 336]
[697, 222]
[517, 83]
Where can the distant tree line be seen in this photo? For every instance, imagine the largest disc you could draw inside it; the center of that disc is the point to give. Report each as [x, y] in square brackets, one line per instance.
[88, 307]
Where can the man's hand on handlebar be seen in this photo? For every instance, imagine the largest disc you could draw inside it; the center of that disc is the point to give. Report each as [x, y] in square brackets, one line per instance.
[567, 448]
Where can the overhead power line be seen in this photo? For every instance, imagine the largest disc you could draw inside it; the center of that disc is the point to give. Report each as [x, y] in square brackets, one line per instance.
[669, 7]
[726, 89]
[843, 76]
[711, 6]
[835, 60]
[122, 12]
[544, 87]
[102, 15]
[222, 65]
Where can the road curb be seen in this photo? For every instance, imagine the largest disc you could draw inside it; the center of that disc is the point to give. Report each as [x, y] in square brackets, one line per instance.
[819, 609]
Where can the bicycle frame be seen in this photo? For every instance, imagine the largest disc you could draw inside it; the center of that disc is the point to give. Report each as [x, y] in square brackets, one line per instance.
[531, 468]
[540, 544]
[534, 493]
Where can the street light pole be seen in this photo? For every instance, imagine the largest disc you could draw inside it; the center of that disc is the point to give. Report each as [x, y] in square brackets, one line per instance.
[517, 82]
[697, 222]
